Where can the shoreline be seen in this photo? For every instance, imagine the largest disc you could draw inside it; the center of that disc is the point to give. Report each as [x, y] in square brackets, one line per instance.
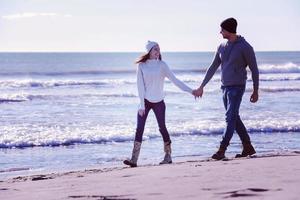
[269, 176]
[27, 172]
[45, 160]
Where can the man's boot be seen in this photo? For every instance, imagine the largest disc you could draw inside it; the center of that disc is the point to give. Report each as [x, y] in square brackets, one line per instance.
[167, 148]
[220, 154]
[248, 150]
[135, 155]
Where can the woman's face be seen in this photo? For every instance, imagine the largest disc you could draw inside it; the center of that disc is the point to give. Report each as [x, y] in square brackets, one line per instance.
[155, 52]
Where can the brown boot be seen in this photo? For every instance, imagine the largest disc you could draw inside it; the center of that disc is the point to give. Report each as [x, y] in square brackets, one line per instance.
[248, 150]
[135, 155]
[220, 154]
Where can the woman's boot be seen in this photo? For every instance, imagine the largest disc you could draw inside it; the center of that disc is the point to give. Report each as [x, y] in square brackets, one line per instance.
[168, 151]
[135, 155]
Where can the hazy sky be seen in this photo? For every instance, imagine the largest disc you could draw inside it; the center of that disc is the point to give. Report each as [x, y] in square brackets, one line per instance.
[125, 25]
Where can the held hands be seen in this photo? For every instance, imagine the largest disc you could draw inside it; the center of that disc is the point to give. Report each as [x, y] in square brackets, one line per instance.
[198, 92]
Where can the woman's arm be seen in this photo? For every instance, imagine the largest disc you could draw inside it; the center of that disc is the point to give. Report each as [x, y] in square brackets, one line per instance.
[177, 82]
[141, 86]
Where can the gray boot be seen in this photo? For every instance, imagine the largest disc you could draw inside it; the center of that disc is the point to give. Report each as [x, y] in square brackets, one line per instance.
[135, 155]
[168, 151]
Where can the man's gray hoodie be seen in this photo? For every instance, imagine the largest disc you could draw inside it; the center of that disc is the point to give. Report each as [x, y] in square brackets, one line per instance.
[234, 57]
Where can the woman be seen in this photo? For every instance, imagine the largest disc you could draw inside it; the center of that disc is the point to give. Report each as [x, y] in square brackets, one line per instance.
[151, 72]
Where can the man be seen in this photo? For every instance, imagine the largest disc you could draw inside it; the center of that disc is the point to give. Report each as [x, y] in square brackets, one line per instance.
[233, 56]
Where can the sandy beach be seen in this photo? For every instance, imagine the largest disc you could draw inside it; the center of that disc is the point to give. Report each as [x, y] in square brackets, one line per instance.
[275, 176]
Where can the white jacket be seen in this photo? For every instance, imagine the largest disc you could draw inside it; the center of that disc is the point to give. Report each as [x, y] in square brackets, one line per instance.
[150, 81]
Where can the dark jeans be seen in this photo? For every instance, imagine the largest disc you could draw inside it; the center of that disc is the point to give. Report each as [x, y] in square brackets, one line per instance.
[232, 98]
[159, 110]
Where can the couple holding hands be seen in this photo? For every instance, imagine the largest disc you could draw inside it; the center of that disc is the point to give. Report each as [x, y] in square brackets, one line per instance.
[234, 56]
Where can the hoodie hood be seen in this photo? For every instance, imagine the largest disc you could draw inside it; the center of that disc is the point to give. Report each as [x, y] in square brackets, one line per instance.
[229, 46]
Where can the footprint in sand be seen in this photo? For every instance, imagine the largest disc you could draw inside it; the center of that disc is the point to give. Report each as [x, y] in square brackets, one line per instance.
[246, 192]
[98, 197]
[40, 177]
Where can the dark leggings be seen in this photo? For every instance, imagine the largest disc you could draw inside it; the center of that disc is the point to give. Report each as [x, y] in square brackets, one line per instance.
[159, 110]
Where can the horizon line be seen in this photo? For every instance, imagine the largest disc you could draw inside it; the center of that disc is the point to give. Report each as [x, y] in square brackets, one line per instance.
[209, 51]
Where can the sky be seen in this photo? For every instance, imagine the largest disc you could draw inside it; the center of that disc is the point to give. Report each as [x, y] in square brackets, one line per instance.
[126, 25]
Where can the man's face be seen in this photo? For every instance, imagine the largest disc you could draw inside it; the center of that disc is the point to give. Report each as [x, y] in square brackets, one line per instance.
[225, 33]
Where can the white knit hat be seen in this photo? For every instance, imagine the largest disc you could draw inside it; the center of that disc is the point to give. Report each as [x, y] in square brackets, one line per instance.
[150, 45]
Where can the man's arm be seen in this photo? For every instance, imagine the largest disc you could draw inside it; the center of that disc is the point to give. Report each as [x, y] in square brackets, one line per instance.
[251, 62]
[209, 74]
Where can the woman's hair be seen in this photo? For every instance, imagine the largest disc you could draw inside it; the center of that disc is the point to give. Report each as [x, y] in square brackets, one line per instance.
[143, 58]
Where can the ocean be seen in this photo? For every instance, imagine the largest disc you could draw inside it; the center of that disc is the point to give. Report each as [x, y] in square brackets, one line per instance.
[73, 111]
